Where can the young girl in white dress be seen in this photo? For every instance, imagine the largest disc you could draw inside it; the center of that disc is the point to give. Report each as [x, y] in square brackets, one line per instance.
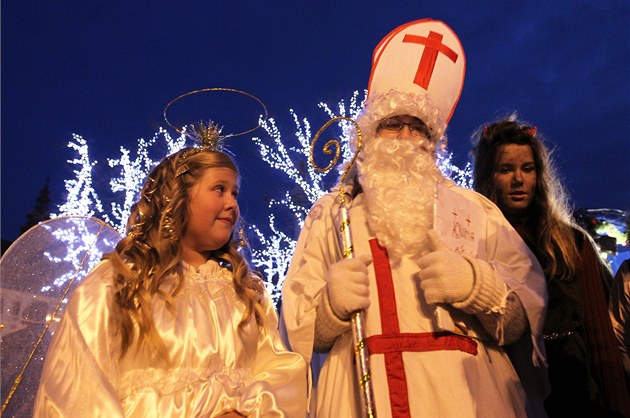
[173, 322]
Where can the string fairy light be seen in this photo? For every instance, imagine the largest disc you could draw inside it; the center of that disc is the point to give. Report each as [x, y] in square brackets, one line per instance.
[272, 244]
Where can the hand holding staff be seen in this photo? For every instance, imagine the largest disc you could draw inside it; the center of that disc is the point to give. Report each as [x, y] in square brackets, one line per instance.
[358, 329]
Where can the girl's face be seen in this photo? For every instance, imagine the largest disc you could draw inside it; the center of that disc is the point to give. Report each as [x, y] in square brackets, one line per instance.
[213, 210]
[515, 178]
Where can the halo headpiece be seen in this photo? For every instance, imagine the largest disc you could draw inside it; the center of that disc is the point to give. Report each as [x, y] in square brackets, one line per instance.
[208, 134]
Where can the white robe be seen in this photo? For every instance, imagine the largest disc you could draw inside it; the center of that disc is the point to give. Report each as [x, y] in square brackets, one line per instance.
[442, 383]
[215, 367]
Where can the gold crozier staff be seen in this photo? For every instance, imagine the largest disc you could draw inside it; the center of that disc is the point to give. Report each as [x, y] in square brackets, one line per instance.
[361, 354]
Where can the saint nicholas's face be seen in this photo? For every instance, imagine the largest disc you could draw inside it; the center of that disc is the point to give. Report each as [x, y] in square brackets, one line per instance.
[405, 127]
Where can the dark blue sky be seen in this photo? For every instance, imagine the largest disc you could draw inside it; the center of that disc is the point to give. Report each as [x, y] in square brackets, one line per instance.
[105, 70]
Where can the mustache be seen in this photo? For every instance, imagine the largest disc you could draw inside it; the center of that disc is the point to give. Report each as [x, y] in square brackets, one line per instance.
[397, 181]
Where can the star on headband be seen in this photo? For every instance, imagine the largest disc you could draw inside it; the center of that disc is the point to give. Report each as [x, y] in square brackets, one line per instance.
[207, 134]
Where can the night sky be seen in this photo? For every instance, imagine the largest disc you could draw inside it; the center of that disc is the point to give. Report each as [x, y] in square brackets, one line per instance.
[106, 69]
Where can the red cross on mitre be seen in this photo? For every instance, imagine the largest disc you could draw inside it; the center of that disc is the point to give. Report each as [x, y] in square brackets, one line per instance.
[423, 56]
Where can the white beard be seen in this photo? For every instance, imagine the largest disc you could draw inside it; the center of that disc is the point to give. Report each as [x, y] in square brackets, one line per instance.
[398, 178]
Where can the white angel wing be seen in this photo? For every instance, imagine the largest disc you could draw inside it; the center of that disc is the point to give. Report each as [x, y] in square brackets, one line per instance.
[38, 272]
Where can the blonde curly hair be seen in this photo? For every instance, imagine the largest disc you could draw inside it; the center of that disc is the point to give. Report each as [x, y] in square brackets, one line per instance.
[149, 255]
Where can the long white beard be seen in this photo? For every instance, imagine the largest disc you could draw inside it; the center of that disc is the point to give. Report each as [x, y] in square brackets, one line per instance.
[398, 178]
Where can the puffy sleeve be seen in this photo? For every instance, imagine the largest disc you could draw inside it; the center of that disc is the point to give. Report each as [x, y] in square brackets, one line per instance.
[284, 371]
[80, 375]
[317, 248]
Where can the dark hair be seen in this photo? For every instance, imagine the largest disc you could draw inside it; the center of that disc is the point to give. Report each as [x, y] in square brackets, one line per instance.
[550, 230]
[488, 143]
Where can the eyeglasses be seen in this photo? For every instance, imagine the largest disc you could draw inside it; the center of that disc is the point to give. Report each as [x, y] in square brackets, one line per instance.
[395, 124]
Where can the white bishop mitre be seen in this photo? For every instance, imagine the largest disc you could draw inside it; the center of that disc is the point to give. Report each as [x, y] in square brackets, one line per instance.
[424, 56]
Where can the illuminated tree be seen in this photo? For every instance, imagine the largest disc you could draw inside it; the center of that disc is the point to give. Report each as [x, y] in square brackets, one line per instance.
[271, 245]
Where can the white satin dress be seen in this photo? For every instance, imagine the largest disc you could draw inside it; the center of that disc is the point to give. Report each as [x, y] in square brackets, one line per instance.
[215, 367]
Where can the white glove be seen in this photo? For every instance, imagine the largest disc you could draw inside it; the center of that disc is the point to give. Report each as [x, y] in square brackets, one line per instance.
[348, 286]
[445, 276]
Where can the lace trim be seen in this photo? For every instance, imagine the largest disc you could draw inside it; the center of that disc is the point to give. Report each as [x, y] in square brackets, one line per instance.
[213, 283]
[167, 382]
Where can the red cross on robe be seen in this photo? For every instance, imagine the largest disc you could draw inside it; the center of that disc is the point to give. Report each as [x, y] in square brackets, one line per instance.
[392, 343]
